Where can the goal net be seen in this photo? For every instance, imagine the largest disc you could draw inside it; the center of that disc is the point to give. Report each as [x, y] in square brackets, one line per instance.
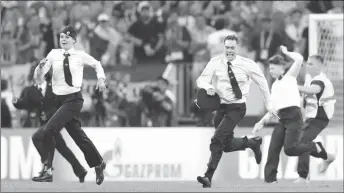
[326, 39]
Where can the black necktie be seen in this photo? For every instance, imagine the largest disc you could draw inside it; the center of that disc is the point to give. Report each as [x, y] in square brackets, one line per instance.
[234, 83]
[66, 70]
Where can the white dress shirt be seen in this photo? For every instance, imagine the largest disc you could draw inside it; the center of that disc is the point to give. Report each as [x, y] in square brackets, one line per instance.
[77, 60]
[215, 75]
[285, 93]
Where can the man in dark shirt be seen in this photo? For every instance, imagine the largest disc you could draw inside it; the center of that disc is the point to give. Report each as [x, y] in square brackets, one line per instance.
[147, 34]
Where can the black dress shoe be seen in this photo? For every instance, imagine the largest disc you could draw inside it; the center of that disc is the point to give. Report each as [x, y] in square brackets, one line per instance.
[322, 153]
[82, 176]
[40, 174]
[204, 181]
[100, 173]
[43, 177]
[254, 144]
[80, 172]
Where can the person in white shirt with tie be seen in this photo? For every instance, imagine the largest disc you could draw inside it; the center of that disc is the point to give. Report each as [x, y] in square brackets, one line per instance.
[229, 75]
[67, 65]
[286, 101]
[320, 105]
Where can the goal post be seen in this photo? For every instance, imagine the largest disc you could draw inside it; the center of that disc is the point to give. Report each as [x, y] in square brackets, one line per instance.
[326, 39]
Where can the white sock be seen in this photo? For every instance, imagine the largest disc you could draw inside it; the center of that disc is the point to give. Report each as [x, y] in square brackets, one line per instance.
[49, 171]
[318, 148]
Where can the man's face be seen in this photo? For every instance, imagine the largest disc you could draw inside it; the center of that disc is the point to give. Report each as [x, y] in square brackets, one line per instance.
[66, 41]
[231, 49]
[276, 70]
[296, 17]
[145, 13]
[313, 66]
[200, 22]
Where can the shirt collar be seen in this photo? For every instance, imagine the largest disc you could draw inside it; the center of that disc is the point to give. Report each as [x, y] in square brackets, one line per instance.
[70, 51]
[233, 62]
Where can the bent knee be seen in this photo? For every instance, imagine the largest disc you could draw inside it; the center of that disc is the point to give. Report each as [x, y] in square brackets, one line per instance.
[291, 151]
[37, 136]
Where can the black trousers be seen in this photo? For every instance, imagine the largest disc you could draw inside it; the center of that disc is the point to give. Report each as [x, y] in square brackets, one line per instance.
[67, 116]
[61, 147]
[310, 131]
[226, 119]
[288, 134]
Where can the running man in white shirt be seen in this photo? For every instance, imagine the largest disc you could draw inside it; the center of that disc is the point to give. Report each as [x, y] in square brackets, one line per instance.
[286, 99]
[230, 76]
[319, 110]
[67, 66]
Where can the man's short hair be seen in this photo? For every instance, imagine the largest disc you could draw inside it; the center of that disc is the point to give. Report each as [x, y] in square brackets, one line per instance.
[277, 60]
[231, 37]
[318, 57]
[221, 23]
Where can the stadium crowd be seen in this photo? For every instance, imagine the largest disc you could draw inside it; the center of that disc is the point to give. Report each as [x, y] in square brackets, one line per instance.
[141, 33]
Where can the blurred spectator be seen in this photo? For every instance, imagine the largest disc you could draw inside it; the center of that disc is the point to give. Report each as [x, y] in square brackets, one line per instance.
[81, 12]
[196, 8]
[338, 7]
[98, 112]
[266, 43]
[320, 6]
[215, 39]
[82, 38]
[125, 49]
[30, 101]
[184, 17]
[294, 27]
[284, 6]
[147, 34]
[245, 44]
[6, 117]
[158, 102]
[108, 34]
[198, 48]
[214, 10]
[30, 41]
[177, 40]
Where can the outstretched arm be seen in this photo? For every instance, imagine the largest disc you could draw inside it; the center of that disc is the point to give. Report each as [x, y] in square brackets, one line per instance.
[294, 70]
[316, 87]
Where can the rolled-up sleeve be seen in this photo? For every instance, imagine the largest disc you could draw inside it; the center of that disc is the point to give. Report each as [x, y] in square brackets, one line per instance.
[204, 80]
[90, 61]
[258, 77]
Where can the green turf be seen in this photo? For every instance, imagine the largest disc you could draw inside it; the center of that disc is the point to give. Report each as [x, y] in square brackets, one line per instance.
[240, 186]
